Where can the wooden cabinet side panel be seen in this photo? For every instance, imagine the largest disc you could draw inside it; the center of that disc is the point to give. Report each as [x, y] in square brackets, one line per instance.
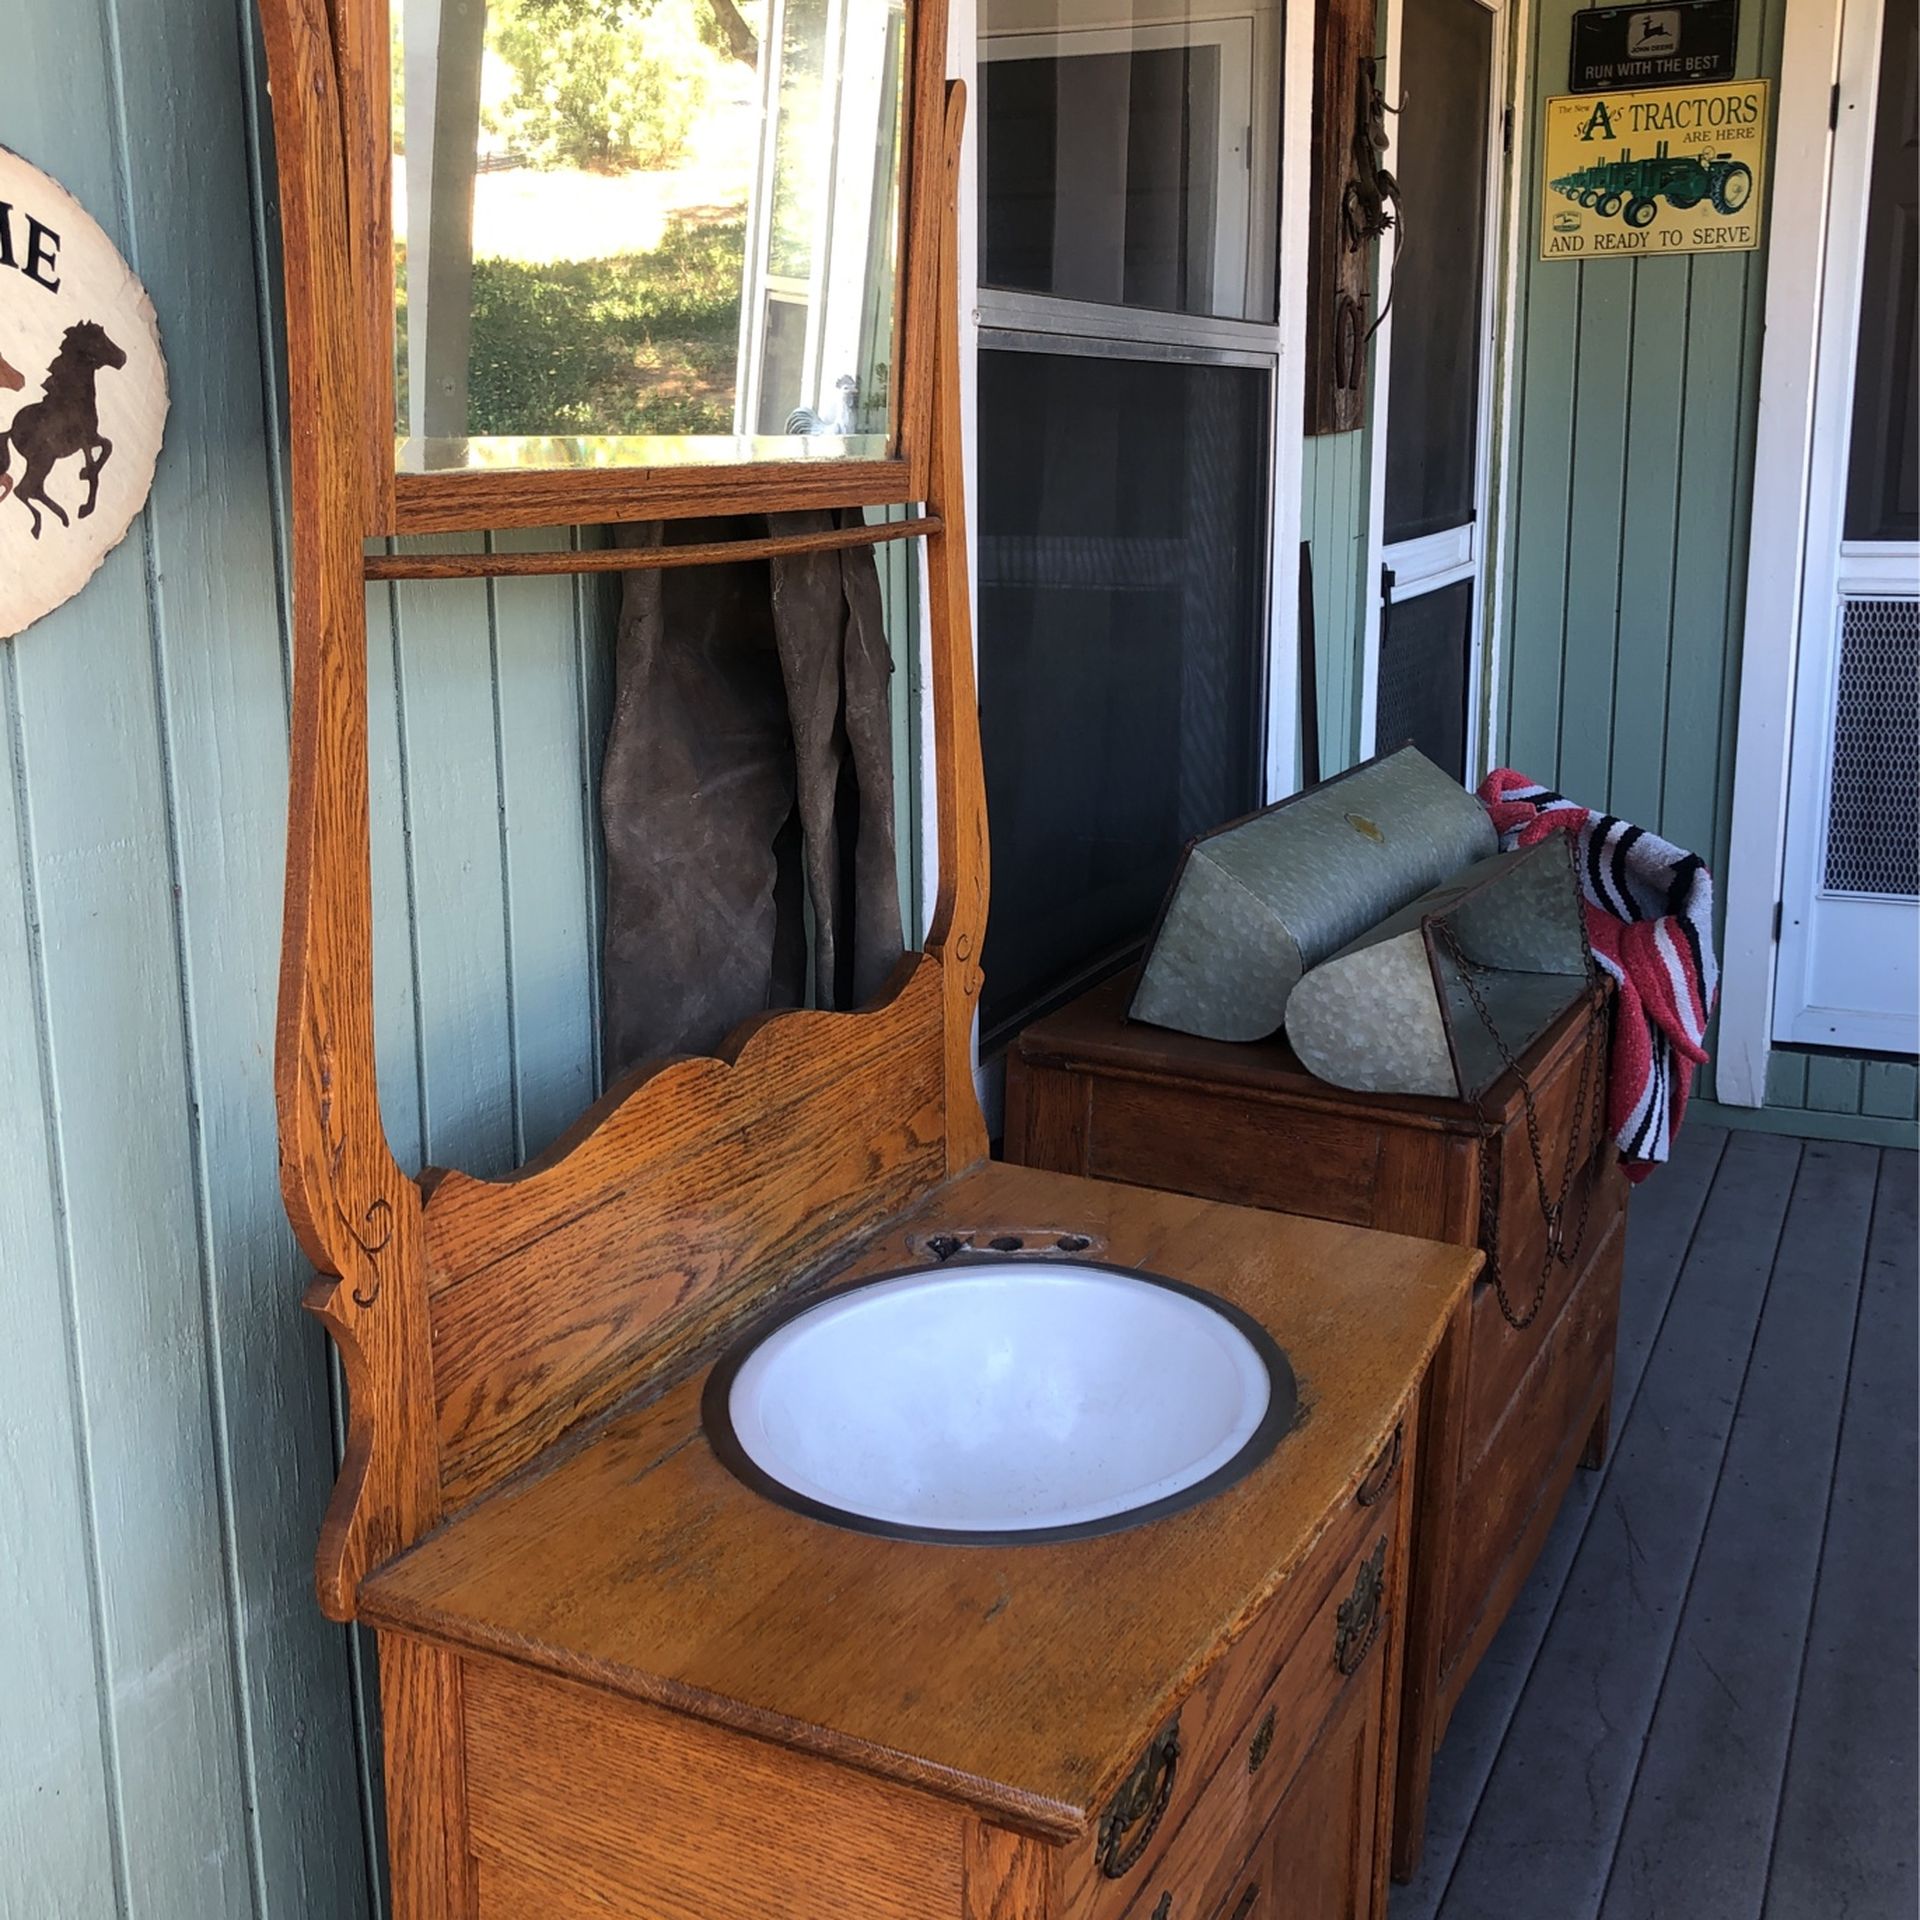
[1004, 1875]
[1435, 1479]
[1508, 1494]
[1046, 1118]
[625, 1806]
[428, 1851]
[1502, 1356]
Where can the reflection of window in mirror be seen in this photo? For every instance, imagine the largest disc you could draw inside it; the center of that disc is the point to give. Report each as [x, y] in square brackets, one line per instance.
[645, 232]
[1130, 152]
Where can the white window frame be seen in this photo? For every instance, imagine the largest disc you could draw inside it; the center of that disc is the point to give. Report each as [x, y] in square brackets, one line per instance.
[1288, 346]
[1280, 344]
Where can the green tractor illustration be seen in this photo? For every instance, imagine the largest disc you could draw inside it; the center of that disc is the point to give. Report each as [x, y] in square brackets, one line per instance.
[1632, 188]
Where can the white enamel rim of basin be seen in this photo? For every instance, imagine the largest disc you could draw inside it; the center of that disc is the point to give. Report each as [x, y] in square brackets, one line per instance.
[1000, 1400]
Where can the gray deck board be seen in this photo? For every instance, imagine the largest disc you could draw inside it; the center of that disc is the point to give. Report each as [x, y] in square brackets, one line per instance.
[1844, 1848]
[1705, 1701]
[1699, 1823]
[1664, 1218]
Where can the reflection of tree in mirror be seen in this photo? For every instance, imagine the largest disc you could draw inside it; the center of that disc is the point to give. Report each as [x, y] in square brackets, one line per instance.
[609, 84]
[636, 343]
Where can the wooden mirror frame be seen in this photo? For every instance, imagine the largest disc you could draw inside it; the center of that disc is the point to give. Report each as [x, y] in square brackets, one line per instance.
[466, 498]
[482, 1321]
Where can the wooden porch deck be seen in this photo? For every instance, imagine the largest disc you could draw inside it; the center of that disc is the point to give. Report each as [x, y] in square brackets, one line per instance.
[1705, 1702]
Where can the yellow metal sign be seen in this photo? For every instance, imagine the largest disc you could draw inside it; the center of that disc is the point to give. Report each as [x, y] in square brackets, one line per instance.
[1662, 170]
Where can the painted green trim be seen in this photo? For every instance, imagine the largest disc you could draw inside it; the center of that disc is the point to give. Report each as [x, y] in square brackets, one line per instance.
[1333, 521]
[1805, 1124]
[1890, 1088]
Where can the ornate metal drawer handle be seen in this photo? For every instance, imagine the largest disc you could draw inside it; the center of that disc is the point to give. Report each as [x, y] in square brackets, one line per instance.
[1130, 1822]
[1248, 1901]
[1262, 1743]
[1384, 1472]
[1358, 1620]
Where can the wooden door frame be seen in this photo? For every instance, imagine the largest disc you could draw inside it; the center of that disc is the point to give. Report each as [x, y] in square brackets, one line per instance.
[1776, 547]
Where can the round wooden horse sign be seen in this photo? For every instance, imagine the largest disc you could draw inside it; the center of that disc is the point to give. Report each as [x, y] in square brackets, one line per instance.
[83, 395]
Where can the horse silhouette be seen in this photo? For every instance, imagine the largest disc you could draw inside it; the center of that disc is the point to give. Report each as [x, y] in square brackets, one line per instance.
[65, 422]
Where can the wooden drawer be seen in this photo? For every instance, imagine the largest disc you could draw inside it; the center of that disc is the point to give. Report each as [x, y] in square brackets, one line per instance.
[1245, 1730]
[1314, 1859]
[1225, 1146]
[606, 1807]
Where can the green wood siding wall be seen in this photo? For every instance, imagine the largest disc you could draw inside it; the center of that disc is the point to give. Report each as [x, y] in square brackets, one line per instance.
[1333, 520]
[183, 1733]
[1637, 388]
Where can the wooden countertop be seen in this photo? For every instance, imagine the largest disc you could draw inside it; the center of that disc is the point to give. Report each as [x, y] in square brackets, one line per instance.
[1020, 1680]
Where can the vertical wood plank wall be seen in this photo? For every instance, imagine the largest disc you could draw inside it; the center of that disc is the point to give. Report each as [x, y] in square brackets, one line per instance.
[1333, 521]
[1638, 382]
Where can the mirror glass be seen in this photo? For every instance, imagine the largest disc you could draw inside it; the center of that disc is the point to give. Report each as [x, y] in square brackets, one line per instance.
[645, 232]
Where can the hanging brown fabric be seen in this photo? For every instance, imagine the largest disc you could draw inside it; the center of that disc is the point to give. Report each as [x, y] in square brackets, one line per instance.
[832, 639]
[748, 759]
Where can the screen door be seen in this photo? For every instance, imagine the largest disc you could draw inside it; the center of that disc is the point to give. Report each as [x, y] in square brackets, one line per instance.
[1439, 371]
[1849, 959]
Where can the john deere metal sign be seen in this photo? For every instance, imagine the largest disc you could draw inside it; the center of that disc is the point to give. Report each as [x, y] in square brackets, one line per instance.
[1660, 46]
[1666, 170]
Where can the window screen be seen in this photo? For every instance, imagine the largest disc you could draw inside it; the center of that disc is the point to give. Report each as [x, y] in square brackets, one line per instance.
[1122, 559]
[1423, 675]
[1440, 160]
[1883, 477]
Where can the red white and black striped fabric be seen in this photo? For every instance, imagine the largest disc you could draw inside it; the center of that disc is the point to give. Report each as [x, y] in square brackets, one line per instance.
[1650, 920]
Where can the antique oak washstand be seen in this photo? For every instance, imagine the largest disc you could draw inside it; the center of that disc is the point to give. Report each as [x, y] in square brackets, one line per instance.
[615, 1679]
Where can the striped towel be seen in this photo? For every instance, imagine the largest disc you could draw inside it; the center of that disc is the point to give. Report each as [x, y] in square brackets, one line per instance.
[1650, 921]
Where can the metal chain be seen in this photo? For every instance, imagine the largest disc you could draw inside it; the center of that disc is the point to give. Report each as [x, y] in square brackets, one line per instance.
[1588, 1118]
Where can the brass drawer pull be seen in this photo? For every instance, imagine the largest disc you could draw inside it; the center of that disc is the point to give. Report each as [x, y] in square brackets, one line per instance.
[1248, 1901]
[1134, 1816]
[1379, 1481]
[1261, 1744]
[1358, 1620]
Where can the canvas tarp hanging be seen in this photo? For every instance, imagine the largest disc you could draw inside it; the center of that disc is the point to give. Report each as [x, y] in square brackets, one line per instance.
[748, 774]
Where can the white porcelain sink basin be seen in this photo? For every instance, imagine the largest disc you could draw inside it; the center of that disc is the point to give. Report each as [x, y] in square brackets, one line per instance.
[1000, 1400]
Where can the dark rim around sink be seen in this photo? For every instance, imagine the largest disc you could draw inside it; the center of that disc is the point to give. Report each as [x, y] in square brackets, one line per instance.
[716, 1414]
